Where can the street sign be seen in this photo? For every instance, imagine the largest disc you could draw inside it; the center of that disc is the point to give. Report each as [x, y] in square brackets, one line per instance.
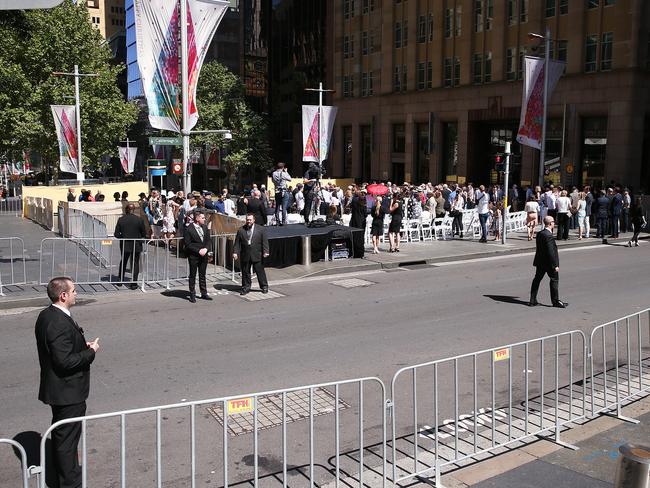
[241, 405]
[177, 168]
[165, 141]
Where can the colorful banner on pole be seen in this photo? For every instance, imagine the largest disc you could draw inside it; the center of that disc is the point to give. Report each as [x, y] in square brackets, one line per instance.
[127, 158]
[315, 145]
[65, 120]
[157, 29]
[532, 100]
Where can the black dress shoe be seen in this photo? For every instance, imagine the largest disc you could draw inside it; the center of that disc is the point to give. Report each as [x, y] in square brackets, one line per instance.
[244, 291]
[133, 286]
[560, 304]
[206, 297]
[192, 298]
[265, 290]
[533, 303]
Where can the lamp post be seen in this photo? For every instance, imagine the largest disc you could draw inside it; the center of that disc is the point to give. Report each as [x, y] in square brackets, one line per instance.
[547, 47]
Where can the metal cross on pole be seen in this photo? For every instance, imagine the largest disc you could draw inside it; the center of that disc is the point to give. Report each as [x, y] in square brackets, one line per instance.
[77, 75]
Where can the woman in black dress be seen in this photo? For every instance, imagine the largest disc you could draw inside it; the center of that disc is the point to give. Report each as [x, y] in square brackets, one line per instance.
[638, 221]
[396, 212]
[377, 227]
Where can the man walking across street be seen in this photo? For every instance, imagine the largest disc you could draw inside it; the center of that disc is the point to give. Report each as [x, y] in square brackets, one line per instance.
[251, 247]
[280, 178]
[65, 357]
[547, 261]
[131, 229]
[199, 248]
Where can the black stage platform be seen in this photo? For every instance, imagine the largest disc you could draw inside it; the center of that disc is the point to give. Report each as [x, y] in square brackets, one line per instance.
[285, 242]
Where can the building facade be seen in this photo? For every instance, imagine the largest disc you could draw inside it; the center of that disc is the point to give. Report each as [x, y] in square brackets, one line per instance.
[430, 90]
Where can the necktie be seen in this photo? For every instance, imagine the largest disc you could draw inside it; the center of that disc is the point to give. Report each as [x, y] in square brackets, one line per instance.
[199, 231]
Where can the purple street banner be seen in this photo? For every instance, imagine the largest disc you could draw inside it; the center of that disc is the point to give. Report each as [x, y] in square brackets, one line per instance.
[157, 29]
[127, 158]
[532, 100]
[65, 121]
[316, 148]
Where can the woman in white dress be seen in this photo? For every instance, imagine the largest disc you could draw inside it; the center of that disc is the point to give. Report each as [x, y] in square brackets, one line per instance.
[532, 211]
[581, 214]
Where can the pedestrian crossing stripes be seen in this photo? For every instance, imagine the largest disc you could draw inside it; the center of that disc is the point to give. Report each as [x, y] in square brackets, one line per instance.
[254, 296]
[351, 283]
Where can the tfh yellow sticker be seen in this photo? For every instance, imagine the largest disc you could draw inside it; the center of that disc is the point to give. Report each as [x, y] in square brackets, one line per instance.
[501, 354]
[241, 405]
[107, 243]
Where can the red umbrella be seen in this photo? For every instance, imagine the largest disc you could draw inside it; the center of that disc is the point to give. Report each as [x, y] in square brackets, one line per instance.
[377, 189]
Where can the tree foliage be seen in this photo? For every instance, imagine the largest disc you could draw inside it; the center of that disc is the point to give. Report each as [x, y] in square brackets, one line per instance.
[222, 105]
[33, 45]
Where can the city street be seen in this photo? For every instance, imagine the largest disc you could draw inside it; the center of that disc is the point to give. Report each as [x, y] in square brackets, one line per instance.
[158, 349]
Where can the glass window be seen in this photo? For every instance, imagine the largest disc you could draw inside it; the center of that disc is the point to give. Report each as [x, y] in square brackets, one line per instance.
[429, 74]
[430, 27]
[606, 51]
[489, 14]
[459, 17]
[448, 71]
[512, 19]
[487, 71]
[364, 43]
[564, 7]
[404, 78]
[364, 84]
[562, 50]
[550, 8]
[591, 46]
[478, 15]
[399, 138]
[346, 9]
[449, 19]
[346, 47]
[523, 11]
[422, 29]
[371, 90]
[520, 64]
[610, 2]
[594, 150]
[398, 35]
[397, 79]
[592, 3]
[405, 33]
[477, 68]
[511, 73]
[421, 76]
[456, 71]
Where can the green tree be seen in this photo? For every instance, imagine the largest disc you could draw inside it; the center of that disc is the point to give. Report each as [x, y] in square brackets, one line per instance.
[221, 104]
[33, 45]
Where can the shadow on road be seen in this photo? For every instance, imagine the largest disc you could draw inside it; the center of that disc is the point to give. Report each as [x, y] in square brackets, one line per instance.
[508, 299]
[31, 442]
[182, 294]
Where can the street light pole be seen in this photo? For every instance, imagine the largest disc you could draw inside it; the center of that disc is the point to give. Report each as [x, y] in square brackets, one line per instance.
[542, 151]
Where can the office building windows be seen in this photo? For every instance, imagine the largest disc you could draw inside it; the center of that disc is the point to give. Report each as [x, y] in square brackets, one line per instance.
[549, 10]
[591, 46]
[429, 74]
[449, 20]
[523, 11]
[456, 71]
[478, 15]
[420, 76]
[397, 79]
[364, 43]
[511, 71]
[512, 19]
[564, 7]
[606, 51]
[562, 50]
[459, 16]
[448, 72]
[489, 14]
[421, 35]
[405, 33]
[592, 3]
[487, 69]
[477, 68]
[399, 138]
[398, 34]
[430, 27]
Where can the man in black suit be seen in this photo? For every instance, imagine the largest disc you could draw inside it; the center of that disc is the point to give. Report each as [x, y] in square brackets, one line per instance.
[199, 248]
[130, 226]
[65, 357]
[547, 261]
[251, 246]
[256, 207]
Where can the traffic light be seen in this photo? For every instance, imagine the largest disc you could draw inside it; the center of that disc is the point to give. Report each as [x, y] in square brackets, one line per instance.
[499, 163]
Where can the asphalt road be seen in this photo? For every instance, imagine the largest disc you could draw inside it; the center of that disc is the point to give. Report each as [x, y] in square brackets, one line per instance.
[158, 349]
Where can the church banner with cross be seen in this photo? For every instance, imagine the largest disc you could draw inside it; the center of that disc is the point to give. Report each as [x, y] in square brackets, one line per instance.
[315, 145]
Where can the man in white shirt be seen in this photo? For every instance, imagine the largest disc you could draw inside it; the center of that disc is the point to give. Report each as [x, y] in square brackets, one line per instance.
[562, 208]
[483, 209]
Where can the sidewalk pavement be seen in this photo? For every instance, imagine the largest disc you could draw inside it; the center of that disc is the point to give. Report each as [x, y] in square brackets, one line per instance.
[411, 254]
[544, 464]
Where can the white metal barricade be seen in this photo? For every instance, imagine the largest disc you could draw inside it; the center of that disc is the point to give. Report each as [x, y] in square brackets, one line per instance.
[475, 403]
[311, 426]
[619, 368]
[24, 469]
[12, 262]
[11, 206]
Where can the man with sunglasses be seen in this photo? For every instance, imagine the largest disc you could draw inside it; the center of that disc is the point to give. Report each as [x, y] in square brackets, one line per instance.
[547, 261]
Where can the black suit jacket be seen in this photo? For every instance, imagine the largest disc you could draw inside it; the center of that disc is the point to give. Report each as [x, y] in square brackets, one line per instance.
[258, 209]
[193, 243]
[258, 247]
[130, 226]
[546, 255]
[64, 357]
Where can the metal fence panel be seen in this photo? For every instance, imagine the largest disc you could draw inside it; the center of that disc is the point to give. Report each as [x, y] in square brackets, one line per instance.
[24, 469]
[457, 408]
[317, 434]
[619, 362]
[11, 206]
[12, 262]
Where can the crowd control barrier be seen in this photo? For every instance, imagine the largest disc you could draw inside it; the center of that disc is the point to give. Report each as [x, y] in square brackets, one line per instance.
[100, 261]
[24, 469]
[319, 432]
[12, 262]
[618, 370]
[468, 405]
[11, 206]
